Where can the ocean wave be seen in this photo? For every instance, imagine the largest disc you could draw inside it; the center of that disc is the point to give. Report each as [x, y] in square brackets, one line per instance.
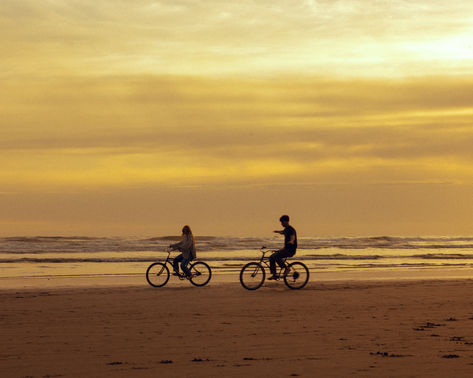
[246, 257]
[74, 244]
[163, 238]
[47, 239]
[450, 256]
[339, 256]
[409, 265]
[76, 260]
[177, 237]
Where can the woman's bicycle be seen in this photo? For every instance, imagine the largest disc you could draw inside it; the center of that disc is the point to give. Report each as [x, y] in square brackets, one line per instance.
[158, 273]
[252, 275]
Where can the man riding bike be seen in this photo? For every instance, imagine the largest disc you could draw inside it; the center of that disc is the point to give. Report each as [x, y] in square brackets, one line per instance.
[289, 250]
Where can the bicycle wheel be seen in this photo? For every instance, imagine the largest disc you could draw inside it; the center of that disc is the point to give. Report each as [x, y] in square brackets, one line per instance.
[200, 273]
[157, 274]
[297, 277]
[252, 276]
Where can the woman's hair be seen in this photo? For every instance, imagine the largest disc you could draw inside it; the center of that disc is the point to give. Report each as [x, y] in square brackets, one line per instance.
[186, 230]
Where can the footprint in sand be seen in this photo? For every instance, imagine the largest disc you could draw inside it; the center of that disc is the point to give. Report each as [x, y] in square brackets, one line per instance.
[428, 325]
[450, 356]
[387, 354]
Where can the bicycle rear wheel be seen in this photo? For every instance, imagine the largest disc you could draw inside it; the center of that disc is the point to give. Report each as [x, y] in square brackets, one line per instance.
[200, 273]
[252, 276]
[157, 274]
[297, 277]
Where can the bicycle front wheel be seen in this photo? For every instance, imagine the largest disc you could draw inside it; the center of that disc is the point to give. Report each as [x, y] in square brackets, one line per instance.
[200, 273]
[297, 277]
[157, 275]
[252, 276]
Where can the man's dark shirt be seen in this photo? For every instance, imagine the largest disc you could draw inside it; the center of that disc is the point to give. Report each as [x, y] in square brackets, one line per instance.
[288, 232]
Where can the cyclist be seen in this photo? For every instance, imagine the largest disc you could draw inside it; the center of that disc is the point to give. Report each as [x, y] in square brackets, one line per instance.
[187, 247]
[289, 250]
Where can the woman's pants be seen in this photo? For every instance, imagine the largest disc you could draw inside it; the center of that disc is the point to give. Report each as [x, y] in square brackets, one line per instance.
[184, 262]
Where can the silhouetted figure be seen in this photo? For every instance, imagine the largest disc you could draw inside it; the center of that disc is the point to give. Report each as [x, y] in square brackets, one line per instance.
[289, 250]
[187, 247]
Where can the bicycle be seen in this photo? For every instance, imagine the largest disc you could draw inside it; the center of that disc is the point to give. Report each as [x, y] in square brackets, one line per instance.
[158, 274]
[252, 275]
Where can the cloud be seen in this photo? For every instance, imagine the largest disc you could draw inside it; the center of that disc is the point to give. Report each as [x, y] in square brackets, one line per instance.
[345, 38]
[70, 115]
[190, 130]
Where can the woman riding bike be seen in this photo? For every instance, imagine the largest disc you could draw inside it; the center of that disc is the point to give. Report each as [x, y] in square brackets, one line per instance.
[187, 247]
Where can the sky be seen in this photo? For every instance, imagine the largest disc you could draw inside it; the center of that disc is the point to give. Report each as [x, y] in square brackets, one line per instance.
[135, 118]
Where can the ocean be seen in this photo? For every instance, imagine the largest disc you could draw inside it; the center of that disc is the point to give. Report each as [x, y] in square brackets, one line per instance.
[327, 258]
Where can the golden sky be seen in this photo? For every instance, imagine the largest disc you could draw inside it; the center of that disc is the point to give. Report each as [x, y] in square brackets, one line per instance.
[134, 118]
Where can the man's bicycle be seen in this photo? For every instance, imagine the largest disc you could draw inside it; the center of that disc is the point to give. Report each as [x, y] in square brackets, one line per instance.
[158, 273]
[252, 275]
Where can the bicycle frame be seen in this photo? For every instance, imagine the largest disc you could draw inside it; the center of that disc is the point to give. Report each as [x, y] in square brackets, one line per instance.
[264, 260]
[170, 260]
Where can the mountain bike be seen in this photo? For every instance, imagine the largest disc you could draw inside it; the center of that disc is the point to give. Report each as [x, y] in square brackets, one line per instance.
[252, 275]
[158, 274]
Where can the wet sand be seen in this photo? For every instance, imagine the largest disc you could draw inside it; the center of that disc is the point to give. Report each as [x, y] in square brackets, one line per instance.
[339, 329]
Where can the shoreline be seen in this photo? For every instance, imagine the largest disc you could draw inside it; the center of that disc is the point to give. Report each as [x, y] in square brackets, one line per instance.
[224, 277]
[70, 285]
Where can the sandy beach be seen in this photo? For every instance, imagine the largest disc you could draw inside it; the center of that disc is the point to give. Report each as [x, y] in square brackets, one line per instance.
[332, 329]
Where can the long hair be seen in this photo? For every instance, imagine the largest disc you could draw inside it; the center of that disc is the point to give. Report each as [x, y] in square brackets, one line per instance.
[186, 230]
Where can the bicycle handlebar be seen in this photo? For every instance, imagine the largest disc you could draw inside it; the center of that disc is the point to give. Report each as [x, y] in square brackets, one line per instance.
[265, 250]
[169, 250]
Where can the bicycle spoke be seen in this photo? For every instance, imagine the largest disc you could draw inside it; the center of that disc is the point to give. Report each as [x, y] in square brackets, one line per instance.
[252, 276]
[157, 274]
[200, 273]
[297, 277]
